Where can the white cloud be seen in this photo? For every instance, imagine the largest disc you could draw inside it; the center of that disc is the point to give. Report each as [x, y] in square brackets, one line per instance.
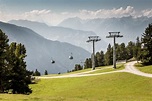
[53, 18]
[37, 15]
[147, 13]
[46, 16]
[103, 13]
[38, 12]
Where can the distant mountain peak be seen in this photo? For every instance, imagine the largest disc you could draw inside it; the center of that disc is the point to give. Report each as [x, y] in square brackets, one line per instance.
[27, 22]
[75, 18]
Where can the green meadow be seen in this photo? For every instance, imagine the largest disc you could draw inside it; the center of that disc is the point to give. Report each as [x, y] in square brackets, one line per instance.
[108, 87]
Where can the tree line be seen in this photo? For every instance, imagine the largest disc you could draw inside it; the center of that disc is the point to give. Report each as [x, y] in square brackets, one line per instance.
[141, 50]
[13, 73]
[37, 73]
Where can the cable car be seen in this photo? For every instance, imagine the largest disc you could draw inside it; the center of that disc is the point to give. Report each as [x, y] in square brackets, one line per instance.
[71, 57]
[52, 61]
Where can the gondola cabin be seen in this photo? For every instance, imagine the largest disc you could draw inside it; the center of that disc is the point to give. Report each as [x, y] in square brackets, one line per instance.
[70, 57]
[52, 61]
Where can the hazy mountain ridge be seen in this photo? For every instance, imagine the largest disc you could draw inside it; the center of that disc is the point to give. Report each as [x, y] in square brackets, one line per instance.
[40, 51]
[128, 26]
[76, 30]
[75, 37]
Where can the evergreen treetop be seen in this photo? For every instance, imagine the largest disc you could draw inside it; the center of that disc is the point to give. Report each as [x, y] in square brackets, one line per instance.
[146, 41]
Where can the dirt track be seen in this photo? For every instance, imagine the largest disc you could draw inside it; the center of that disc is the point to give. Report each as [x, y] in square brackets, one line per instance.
[129, 67]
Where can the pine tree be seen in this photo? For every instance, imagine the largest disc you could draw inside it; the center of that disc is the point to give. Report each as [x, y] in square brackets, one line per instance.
[78, 67]
[88, 63]
[108, 56]
[122, 53]
[97, 59]
[146, 54]
[100, 58]
[13, 73]
[137, 49]
[3, 54]
[130, 48]
[45, 73]
[19, 76]
[37, 73]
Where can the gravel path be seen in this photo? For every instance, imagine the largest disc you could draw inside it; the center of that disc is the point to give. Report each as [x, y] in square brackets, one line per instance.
[129, 67]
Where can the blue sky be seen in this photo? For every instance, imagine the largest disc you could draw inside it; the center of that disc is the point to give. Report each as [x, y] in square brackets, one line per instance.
[62, 9]
[72, 5]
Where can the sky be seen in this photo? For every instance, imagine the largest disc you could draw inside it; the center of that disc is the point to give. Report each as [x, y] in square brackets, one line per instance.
[52, 12]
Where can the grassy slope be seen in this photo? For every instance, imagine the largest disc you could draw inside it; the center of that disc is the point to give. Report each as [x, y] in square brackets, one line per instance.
[100, 70]
[109, 87]
[107, 69]
[146, 69]
[79, 71]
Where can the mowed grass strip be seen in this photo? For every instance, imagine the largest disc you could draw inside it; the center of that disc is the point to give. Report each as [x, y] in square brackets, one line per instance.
[109, 87]
[146, 69]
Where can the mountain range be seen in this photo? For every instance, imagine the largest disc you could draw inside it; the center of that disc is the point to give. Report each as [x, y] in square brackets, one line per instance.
[76, 31]
[40, 51]
[73, 36]
[130, 27]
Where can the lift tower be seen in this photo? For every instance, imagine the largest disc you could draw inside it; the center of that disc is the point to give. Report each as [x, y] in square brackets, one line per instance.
[114, 35]
[93, 39]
